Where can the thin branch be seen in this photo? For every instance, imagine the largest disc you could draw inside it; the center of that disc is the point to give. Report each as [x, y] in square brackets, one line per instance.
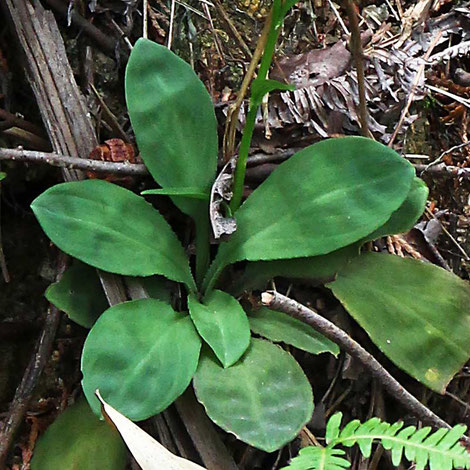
[24, 392]
[338, 17]
[172, 19]
[262, 161]
[452, 238]
[62, 161]
[145, 15]
[443, 170]
[3, 261]
[358, 54]
[105, 42]
[444, 153]
[453, 96]
[232, 29]
[16, 121]
[414, 87]
[279, 302]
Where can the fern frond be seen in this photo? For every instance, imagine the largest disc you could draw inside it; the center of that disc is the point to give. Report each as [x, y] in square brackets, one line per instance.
[440, 450]
[319, 458]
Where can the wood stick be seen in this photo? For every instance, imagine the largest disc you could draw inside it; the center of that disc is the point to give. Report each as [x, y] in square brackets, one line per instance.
[281, 303]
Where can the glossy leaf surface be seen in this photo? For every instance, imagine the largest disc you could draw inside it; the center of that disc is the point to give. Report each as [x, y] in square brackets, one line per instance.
[407, 215]
[141, 355]
[325, 197]
[112, 229]
[282, 328]
[416, 313]
[173, 119]
[79, 294]
[78, 440]
[223, 324]
[264, 399]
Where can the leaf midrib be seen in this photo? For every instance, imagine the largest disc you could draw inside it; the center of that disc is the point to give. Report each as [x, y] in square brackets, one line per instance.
[139, 242]
[324, 196]
[391, 300]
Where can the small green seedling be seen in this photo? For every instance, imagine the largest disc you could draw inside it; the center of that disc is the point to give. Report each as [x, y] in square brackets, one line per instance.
[307, 220]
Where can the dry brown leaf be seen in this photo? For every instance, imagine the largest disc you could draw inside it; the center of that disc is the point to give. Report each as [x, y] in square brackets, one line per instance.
[148, 453]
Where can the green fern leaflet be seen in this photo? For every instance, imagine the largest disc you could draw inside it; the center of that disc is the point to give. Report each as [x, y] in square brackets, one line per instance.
[440, 450]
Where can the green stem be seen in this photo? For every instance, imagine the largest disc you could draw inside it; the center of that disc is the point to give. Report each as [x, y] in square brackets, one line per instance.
[265, 64]
[242, 158]
[202, 248]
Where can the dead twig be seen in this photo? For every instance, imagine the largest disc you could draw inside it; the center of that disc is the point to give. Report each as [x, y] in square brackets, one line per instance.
[61, 161]
[452, 238]
[358, 55]
[414, 87]
[459, 99]
[3, 261]
[442, 169]
[443, 154]
[24, 392]
[264, 163]
[105, 43]
[281, 303]
[338, 17]
[15, 121]
[233, 31]
[217, 42]
[213, 452]
[109, 117]
[172, 20]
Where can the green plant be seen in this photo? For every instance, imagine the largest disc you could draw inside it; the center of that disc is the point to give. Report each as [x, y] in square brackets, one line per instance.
[440, 450]
[307, 220]
[78, 439]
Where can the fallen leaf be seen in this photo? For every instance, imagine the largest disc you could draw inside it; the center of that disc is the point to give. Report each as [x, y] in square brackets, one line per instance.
[148, 453]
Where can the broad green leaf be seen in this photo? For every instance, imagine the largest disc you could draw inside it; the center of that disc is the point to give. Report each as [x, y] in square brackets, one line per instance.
[3, 175]
[79, 294]
[141, 355]
[416, 313]
[264, 399]
[174, 121]
[223, 324]
[112, 229]
[325, 197]
[280, 327]
[315, 268]
[193, 193]
[261, 87]
[407, 215]
[78, 440]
